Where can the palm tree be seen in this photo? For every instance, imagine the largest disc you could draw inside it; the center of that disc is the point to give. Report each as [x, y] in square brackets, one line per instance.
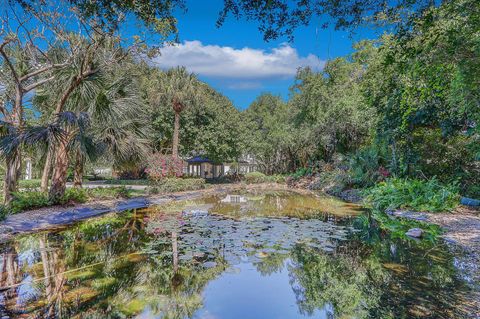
[120, 118]
[115, 112]
[84, 147]
[180, 88]
[12, 139]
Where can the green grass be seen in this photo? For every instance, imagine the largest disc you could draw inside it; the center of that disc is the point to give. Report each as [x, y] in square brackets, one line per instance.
[170, 185]
[111, 192]
[128, 182]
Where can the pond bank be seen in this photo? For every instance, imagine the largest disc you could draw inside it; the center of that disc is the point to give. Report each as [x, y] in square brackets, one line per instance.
[462, 234]
[55, 216]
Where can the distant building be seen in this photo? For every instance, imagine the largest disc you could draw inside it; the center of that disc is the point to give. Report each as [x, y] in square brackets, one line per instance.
[203, 167]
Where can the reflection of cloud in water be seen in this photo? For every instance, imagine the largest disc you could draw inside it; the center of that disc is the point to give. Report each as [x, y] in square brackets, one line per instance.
[197, 211]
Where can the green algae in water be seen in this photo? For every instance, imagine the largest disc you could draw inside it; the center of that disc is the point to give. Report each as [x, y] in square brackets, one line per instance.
[259, 256]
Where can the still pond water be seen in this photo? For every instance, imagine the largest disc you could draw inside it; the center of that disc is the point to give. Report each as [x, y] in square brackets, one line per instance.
[254, 255]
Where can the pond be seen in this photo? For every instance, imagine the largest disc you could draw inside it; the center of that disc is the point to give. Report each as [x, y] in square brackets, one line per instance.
[245, 255]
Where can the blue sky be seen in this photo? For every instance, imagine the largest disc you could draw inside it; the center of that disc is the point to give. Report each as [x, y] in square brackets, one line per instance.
[235, 60]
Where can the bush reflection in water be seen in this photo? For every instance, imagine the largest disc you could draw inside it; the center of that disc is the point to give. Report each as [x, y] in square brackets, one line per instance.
[160, 260]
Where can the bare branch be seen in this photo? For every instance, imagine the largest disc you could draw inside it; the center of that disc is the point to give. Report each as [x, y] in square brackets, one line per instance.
[38, 83]
[44, 69]
[7, 60]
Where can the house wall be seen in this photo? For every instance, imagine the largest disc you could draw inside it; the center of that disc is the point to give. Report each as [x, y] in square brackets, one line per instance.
[205, 170]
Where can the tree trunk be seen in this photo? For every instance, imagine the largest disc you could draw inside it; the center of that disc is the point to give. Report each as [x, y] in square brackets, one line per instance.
[175, 251]
[45, 264]
[47, 170]
[176, 135]
[59, 178]
[78, 171]
[14, 162]
[12, 175]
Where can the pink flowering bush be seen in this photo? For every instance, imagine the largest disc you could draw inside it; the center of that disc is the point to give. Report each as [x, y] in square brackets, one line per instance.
[160, 166]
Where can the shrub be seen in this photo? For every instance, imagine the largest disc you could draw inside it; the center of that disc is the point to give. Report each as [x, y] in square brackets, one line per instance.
[447, 158]
[34, 199]
[160, 166]
[413, 194]
[255, 177]
[28, 200]
[365, 167]
[153, 190]
[73, 195]
[172, 184]
[332, 182]
[4, 211]
[302, 171]
[29, 184]
[277, 178]
[109, 193]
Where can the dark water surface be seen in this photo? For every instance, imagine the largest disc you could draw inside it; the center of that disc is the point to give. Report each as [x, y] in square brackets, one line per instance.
[276, 255]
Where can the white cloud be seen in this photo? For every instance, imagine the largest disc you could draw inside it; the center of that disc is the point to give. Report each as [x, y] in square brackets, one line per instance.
[227, 62]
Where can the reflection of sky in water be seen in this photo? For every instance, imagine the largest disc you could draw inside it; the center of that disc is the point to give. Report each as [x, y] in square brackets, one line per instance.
[27, 291]
[248, 294]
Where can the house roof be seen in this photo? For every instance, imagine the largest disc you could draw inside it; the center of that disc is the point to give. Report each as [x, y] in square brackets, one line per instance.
[199, 159]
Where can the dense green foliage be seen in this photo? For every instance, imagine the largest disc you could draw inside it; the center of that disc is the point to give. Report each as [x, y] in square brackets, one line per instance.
[403, 105]
[29, 183]
[28, 200]
[413, 194]
[257, 177]
[209, 123]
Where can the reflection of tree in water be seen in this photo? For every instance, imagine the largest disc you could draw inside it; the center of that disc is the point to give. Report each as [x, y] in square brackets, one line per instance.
[337, 281]
[54, 277]
[123, 265]
[98, 269]
[272, 263]
[388, 278]
[10, 276]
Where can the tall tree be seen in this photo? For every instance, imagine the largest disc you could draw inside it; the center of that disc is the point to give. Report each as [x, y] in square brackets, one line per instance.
[179, 88]
[25, 66]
